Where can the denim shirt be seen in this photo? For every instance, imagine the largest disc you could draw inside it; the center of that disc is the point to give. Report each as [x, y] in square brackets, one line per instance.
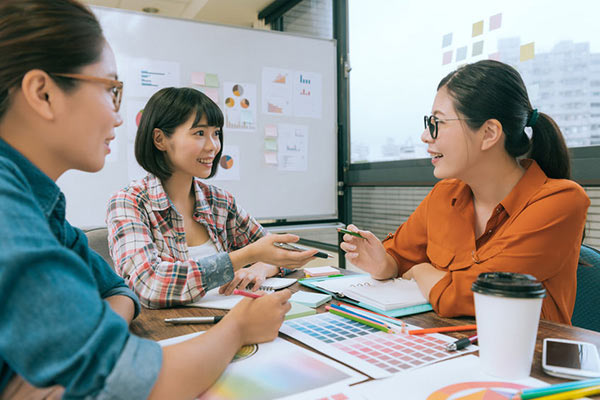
[55, 327]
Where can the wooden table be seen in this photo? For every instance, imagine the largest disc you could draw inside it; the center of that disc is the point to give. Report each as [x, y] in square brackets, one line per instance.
[150, 324]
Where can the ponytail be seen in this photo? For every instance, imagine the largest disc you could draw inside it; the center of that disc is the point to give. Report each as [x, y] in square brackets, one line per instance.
[548, 148]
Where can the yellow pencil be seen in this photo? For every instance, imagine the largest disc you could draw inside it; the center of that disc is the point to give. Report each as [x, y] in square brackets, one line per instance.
[573, 394]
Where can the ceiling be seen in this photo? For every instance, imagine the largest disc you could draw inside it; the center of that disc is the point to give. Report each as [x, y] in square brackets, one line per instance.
[230, 12]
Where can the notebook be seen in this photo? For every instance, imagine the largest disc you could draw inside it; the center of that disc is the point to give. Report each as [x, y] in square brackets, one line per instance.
[310, 299]
[393, 298]
[213, 299]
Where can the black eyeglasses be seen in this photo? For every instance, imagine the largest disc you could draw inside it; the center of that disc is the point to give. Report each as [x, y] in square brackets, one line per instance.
[431, 123]
[116, 87]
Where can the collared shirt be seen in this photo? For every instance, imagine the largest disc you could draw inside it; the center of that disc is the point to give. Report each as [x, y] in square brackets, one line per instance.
[55, 327]
[536, 229]
[147, 241]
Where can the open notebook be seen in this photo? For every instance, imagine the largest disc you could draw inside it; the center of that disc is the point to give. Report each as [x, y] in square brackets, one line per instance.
[385, 295]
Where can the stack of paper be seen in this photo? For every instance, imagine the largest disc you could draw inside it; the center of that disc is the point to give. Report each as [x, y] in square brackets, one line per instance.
[321, 271]
[310, 299]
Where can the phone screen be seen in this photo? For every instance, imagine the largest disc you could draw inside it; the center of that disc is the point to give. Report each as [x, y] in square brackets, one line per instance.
[571, 355]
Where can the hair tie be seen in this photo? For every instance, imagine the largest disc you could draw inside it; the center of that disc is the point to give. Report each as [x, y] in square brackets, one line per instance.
[533, 118]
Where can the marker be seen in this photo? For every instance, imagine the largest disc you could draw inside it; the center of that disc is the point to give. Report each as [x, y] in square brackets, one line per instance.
[443, 329]
[461, 343]
[193, 320]
[247, 294]
[346, 231]
[291, 247]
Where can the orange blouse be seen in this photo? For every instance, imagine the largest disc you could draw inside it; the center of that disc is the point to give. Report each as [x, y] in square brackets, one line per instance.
[537, 229]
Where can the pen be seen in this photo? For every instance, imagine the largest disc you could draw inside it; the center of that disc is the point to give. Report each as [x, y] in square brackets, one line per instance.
[247, 294]
[291, 247]
[461, 343]
[346, 231]
[443, 329]
[193, 320]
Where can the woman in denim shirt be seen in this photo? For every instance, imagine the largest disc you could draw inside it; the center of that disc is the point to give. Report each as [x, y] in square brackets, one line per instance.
[65, 313]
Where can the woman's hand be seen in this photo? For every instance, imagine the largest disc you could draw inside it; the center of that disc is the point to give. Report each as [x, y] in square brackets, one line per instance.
[368, 254]
[264, 250]
[253, 276]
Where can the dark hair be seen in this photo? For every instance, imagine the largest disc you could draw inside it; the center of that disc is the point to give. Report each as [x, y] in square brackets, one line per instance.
[490, 89]
[166, 110]
[56, 36]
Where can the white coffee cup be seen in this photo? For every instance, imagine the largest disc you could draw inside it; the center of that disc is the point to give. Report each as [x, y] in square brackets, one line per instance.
[507, 309]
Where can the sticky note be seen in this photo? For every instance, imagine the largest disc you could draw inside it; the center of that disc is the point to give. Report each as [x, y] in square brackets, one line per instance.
[211, 80]
[461, 53]
[477, 28]
[495, 21]
[270, 144]
[198, 78]
[270, 157]
[310, 299]
[477, 48]
[447, 57]
[271, 130]
[447, 40]
[527, 51]
[299, 310]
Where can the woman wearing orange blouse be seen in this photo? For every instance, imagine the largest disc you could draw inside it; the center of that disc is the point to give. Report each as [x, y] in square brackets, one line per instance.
[493, 210]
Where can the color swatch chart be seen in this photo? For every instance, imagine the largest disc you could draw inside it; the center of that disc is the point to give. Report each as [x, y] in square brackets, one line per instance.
[377, 354]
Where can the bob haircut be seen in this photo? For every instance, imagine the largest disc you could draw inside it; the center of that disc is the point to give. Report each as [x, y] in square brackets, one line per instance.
[166, 110]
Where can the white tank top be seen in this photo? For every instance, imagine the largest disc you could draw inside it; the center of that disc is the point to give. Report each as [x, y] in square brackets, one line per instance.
[206, 249]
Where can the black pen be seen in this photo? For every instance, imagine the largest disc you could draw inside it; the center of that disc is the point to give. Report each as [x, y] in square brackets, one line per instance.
[291, 247]
[461, 343]
[193, 320]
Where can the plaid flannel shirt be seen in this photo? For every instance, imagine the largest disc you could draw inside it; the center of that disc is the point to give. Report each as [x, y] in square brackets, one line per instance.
[147, 242]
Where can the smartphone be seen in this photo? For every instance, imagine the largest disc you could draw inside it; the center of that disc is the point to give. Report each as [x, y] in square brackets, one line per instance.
[291, 247]
[570, 359]
[346, 231]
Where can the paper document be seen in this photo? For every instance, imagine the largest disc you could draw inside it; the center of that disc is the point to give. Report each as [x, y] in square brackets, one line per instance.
[385, 295]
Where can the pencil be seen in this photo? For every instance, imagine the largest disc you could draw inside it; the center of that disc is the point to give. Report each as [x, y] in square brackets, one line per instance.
[361, 320]
[559, 388]
[247, 294]
[443, 329]
[340, 308]
[572, 394]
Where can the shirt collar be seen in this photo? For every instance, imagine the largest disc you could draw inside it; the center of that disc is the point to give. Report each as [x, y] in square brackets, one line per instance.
[159, 200]
[527, 186]
[518, 197]
[45, 190]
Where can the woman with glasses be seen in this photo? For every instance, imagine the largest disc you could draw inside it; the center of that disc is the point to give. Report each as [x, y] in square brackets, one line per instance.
[172, 236]
[504, 202]
[65, 313]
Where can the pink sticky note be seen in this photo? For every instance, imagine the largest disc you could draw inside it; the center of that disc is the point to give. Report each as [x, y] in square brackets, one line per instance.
[198, 78]
[212, 93]
[271, 131]
[271, 157]
[447, 57]
[495, 21]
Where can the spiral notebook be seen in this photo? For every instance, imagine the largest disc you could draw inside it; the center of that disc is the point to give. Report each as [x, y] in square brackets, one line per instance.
[392, 297]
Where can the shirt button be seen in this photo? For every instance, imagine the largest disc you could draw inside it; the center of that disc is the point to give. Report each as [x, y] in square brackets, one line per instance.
[490, 231]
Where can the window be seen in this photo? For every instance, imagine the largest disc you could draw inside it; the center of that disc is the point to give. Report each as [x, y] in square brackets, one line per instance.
[399, 51]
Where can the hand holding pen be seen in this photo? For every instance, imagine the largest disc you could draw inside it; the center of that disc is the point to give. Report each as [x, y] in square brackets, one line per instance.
[365, 250]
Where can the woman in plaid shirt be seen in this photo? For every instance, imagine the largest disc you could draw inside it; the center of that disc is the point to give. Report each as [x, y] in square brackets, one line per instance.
[173, 237]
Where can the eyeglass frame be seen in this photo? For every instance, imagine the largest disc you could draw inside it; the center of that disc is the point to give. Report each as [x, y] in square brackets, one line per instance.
[114, 84]
[428, 124]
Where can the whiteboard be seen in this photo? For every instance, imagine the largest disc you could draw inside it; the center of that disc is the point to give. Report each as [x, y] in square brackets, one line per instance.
[296, 188]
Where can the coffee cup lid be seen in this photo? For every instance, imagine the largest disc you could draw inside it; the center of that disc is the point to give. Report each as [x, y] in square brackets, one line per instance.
[508, 284]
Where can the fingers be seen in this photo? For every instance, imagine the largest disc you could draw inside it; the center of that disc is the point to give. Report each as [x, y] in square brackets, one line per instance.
[281, 296]
[347, 247]
[285, 238]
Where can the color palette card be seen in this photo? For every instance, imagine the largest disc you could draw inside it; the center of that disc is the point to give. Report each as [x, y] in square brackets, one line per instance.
[276, 370]
[310, 299]
[371, 351]
[458, 379]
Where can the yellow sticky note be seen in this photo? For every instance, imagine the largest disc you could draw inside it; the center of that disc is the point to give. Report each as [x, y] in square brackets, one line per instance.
[270, 144]
[527, 51]
[477, 28]
[211, 80]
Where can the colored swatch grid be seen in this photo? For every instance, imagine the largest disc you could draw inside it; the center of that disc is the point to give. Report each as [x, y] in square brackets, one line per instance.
[367, 349]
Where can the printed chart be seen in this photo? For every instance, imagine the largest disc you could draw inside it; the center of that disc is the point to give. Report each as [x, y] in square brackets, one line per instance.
[377, 354]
